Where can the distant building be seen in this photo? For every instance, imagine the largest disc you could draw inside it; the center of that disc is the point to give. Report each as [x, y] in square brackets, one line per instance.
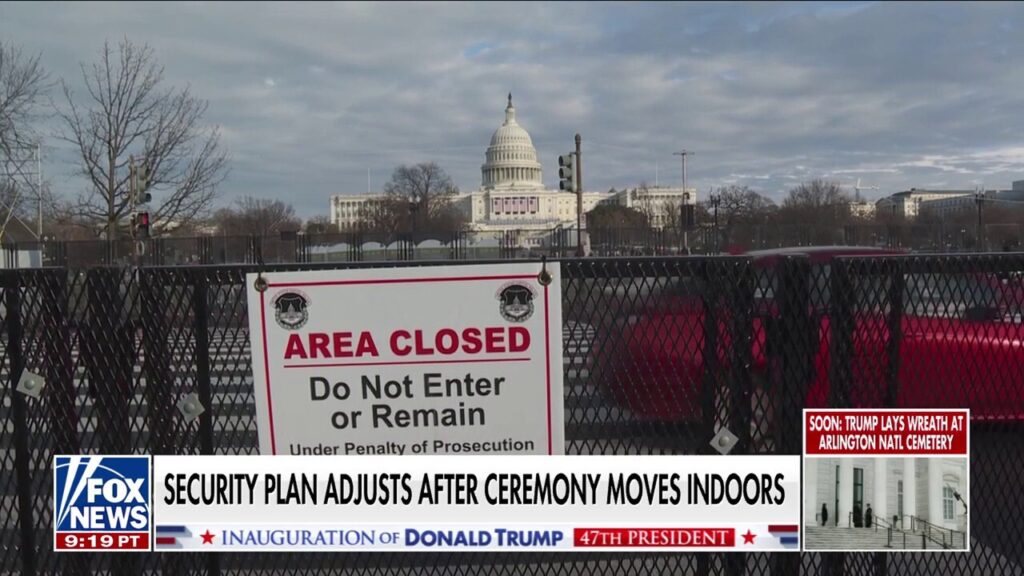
[947, 207]
[347, 210]
[659, 203]
[512, 195]
[862, 209]
[907, 204]
[20, 244]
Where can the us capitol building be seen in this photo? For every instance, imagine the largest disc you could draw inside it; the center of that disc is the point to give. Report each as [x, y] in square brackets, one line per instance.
[512, 194]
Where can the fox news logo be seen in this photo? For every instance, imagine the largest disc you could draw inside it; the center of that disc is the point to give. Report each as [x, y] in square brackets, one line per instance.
[101, 502]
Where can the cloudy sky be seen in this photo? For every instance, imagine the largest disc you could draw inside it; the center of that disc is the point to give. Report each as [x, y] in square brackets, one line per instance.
[309, 97]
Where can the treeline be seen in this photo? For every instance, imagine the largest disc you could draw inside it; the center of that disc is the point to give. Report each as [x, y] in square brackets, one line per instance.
[819, 212]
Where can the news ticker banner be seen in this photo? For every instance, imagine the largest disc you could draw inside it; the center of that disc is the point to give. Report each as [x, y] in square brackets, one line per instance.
[889, 432]
[399, 361]
[423, 503]
[480, 503]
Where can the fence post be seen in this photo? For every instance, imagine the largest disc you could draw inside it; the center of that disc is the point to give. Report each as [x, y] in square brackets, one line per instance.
[355, 247]
[841, 324]
[840, 374]
[709, 383]
[19, 412]
[255, 250]
[58, 369]
[200, 308]
[894, 320]
[741, 311]
[792, 341]
[108, 352]
[741, 308]
[108, 348]
[58, 365]
[160, 414]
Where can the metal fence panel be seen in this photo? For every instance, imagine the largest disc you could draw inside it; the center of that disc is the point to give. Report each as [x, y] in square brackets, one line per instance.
[660, 353]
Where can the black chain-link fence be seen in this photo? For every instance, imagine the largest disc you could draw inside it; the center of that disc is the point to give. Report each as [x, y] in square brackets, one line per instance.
[660, 353]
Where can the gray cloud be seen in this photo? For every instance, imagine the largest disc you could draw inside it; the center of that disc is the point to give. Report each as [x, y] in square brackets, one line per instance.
[311, 96]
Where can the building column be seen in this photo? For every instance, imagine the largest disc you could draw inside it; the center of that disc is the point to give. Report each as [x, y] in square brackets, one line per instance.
[935, 491]
[811, 504]
[909, 491]
[845, 492]
[880, 507]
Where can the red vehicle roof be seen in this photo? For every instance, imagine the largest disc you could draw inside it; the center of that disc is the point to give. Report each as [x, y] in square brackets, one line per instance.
[821, 254]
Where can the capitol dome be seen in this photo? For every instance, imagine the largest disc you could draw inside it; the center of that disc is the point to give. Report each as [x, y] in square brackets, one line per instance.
[511, 159]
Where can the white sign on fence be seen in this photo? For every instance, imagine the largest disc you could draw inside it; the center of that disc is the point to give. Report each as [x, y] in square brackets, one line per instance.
[397, 361]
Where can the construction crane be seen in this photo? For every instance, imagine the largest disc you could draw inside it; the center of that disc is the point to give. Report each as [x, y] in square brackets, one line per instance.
[857, 188]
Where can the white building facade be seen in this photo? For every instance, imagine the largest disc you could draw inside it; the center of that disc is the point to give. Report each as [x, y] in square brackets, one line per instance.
[924, 488]
[661, 204]
[347, 210]
[945, 207]
[907, 204]
[512, 195]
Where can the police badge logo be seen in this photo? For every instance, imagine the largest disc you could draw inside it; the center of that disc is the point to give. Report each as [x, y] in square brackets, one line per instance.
[291, 309]
[516, 301]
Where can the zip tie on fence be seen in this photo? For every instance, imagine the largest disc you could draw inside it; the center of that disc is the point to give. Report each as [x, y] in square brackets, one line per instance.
[544, 277]
[261, 283]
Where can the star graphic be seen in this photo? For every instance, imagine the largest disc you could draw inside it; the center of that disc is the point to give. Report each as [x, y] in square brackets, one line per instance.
[748, 538]
[207, 537]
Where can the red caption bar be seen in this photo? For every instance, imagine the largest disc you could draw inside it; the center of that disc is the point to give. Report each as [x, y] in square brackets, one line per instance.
[896, 432]
[654, 537]
[102, 541]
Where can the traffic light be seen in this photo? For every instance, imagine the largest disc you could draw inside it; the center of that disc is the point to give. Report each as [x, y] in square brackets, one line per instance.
[688, 215]
[567, 173]
[138, 176]
[141, 177]
[142, 225]
[140, 184]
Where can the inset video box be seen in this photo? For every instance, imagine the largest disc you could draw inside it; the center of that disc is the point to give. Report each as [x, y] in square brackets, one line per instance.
[886, 480]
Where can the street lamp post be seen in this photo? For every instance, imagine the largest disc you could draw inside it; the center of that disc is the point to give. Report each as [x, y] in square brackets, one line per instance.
[414, 207]
[979, 199]
[684, 154]
[579, 199]
[715, 200]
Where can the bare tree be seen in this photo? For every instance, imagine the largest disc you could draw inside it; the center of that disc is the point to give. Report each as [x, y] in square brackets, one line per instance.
[739, 203]
[741, 211]
[615, 216]
[23, 85]
[817, 193]
[127, 111]
[815, 212]
[319, 224]
[380, 216]
[420, 198]
[644, 203]
[671, 213]
[256, 216]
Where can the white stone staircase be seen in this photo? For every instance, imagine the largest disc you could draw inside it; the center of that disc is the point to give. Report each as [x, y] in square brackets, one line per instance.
[839, 538]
